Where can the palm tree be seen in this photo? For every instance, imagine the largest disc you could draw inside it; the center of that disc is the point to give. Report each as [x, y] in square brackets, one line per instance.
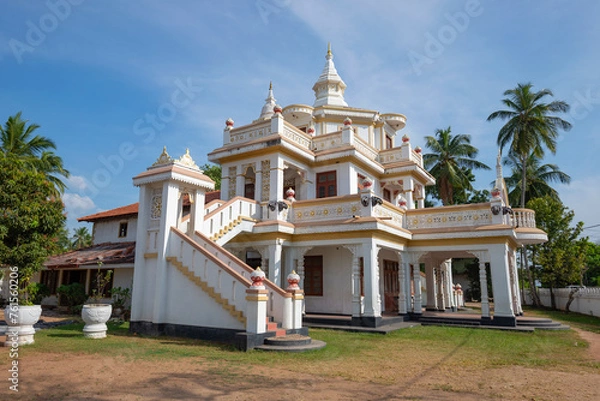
[451, 162]
[81, 238]
[18, 142]
[529, 127]
[538, 182]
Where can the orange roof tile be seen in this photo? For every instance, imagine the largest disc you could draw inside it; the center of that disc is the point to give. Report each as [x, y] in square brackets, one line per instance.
[120, 211]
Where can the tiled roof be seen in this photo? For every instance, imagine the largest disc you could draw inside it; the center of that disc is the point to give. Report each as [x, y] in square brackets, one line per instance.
[108, 253]
[132, 210]
[120, 211]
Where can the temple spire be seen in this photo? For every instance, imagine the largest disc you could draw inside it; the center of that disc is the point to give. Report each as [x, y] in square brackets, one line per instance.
[329, 88]
[270, 102]
[500, 184]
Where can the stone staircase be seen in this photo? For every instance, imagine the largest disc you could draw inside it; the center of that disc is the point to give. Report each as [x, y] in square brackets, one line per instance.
[239, 315]
[233, 228]
[540, 323]
[277, 339]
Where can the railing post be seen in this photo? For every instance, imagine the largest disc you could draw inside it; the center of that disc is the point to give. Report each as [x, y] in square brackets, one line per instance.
[256, 310]
[297, 300]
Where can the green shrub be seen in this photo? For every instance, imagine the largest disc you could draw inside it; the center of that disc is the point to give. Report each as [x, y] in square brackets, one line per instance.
[72, 295]
[37, 292]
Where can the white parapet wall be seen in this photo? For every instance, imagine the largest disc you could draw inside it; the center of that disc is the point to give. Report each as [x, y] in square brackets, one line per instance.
[586, 300]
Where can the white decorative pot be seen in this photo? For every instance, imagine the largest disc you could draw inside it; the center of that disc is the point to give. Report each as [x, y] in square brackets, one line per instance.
[95, 317]
[20, 323]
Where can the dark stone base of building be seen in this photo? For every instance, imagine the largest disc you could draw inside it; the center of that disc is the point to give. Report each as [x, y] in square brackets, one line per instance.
[242, 340]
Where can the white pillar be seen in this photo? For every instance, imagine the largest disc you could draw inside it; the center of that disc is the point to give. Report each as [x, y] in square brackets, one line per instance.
[430, 280]
[275, 262]
[449, 285]
[371, 281]
[258, 183]
[483, 257]
[503, 309]
[440, 280]
[225, 183]
[277, 181]
[402, 293]
[240, 182]
[407, 284]
[355, 281]
[417, 308]
[170, 195]
[512, 257]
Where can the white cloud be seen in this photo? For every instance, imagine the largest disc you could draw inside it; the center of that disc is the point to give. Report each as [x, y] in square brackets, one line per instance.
[77, 183]
[75, 203]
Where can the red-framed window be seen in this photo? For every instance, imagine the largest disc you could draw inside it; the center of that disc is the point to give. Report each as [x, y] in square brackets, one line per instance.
[326, 184]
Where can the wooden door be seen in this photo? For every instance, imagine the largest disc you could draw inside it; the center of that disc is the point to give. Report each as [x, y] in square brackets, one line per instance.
[391, 286]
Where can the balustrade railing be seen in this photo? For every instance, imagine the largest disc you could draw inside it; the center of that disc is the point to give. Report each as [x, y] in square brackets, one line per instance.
[334, 208]
[449, 216]
[229, 213]
[241, 135]
[524, 218]
[277, 296]
[210, 268]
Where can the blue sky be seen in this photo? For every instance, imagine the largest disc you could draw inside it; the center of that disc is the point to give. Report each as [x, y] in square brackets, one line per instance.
[112, 82]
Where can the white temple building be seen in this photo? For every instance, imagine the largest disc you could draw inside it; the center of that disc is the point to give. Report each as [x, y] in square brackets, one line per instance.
[330, 191]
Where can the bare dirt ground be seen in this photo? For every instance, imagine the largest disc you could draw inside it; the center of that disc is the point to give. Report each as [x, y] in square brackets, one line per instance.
[99, 378]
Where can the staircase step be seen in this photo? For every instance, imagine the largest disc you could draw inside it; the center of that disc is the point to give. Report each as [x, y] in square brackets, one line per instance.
[272, 326]
[313, 345]
[449, 321]
[280, 332]
[288, 340]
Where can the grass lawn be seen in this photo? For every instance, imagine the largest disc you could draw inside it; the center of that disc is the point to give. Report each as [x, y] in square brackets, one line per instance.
[419, 363]
[455, 348]
[584, 322]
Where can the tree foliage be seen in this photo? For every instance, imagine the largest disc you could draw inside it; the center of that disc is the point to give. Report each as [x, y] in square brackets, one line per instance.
[31, 218]
[81, 238]
[592, 264]
[451, 162]
[561, 260]
[530, 127]
[18, 143]
[539, 178]
[214, 172]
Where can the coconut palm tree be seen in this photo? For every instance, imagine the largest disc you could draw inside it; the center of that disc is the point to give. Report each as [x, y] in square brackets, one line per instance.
[81, 238]
[539, 177]
[529, 126]
[19, 143]
[451, 162]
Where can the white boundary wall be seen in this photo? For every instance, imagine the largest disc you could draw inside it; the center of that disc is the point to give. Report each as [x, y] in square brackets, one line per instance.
[586, 300]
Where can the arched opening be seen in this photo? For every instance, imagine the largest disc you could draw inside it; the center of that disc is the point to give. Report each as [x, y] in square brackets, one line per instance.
[250, 183]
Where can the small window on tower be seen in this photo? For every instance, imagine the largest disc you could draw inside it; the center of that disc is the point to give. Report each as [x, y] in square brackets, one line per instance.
[123, 230]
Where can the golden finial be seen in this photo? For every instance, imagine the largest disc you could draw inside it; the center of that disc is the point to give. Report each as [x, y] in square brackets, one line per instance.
[329, 48]
[164, 158]
[270, 85]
